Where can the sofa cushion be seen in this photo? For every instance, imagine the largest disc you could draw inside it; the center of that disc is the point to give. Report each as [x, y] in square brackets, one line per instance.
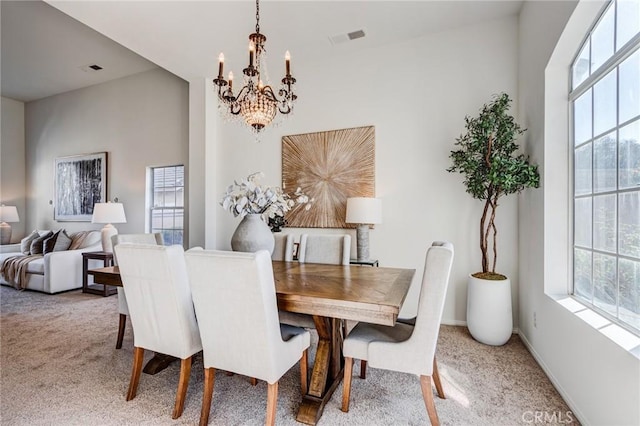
[36, 266]
[84, 239]
[37, 245]
[63, 242]
[49, 243]
[60, 241]
[4, 256]
[25, 243]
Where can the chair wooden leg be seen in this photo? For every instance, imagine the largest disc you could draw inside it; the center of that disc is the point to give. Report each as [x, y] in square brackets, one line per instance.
[207, 394]
[183, 383]
[138, 357]
[272, 403]
[427, 394]
[254, 381]
[121, 326]
[304, 363]
[346, 388]
[363, 369]
[436, 379]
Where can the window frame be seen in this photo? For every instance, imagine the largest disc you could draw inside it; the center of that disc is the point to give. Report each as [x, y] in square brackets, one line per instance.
[631, 47]
[150, 203]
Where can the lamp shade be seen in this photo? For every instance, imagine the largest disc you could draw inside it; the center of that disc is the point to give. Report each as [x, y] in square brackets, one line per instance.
[9, 214]
[108, 213]
[364, 210]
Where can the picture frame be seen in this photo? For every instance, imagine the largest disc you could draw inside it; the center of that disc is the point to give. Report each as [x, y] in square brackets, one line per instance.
[80, 182]
[329, 167]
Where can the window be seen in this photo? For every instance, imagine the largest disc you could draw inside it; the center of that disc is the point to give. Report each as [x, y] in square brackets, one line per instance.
[605, 102]
[166, 195]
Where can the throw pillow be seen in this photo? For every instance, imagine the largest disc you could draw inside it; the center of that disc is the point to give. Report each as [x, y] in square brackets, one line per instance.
[25, 243]
[63, 242]
[49, 243]
[38, 243]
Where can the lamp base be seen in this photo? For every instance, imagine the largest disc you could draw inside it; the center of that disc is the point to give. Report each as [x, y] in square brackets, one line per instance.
[362, 241]
[5, 233]
[107, 232]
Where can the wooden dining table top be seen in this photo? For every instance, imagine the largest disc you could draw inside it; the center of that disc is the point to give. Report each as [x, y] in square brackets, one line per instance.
[359, 293]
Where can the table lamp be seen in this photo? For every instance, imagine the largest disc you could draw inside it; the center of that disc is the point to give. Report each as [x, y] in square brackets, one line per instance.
[7, 214]
[364, 212]
[108, 213]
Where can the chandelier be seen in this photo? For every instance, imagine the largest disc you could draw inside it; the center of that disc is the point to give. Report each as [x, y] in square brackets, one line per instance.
[256, 104]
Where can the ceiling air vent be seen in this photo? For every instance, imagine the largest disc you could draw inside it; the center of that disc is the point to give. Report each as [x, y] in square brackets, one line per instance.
[91, 68]
[355, 34]
[343, 38]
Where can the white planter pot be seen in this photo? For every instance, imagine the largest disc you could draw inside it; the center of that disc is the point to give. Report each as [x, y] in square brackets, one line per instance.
[489, 316]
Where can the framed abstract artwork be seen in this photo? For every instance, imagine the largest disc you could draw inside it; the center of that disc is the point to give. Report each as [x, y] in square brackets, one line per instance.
[329, 167]
[80, 182]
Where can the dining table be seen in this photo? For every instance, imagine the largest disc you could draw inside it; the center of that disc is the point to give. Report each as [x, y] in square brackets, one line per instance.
[330, 294]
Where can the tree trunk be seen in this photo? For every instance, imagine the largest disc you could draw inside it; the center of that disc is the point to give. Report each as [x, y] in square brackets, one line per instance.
[484, 231]
[495, 232]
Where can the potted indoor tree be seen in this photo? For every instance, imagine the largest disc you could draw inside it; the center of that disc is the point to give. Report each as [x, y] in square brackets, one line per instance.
[488, 159]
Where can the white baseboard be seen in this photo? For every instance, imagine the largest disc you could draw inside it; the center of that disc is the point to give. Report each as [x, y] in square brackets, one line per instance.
[576, 412]
[464, 324]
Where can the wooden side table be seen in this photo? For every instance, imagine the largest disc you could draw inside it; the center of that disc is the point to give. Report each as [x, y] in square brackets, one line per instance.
[100, 289]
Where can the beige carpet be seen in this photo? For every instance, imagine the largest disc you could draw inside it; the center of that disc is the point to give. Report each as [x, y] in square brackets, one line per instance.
[60, 367]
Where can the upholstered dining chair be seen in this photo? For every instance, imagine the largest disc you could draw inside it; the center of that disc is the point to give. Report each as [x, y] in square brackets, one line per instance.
[158, 294]
[253, 344]
[123, 309]
[283, 249]
[405, 348]
[319, 248]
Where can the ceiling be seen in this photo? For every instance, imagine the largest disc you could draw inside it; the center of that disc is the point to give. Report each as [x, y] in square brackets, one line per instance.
[44, 49]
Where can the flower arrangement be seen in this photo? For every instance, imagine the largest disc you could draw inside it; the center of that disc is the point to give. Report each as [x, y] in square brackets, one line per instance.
[249, 197]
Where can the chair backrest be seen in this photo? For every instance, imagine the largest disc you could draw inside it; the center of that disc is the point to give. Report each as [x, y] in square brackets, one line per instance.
[156, 285]
[235, 301]
[283, 249]
[328, 249]
[433, 292]
[153, 238]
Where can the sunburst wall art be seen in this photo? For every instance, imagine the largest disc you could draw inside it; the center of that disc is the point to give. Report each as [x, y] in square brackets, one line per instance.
[329, 167]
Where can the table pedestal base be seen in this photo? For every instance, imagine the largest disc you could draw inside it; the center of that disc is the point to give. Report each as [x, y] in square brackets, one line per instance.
[327, 370]
[158, 363]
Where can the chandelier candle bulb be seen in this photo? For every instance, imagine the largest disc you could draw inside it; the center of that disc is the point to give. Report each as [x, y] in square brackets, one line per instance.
[287, 58]
[252, 48]
[230, 80]
[220, 65]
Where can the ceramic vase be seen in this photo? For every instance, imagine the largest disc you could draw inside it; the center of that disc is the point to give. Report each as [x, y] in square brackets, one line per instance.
[252, 234]
[489, 317]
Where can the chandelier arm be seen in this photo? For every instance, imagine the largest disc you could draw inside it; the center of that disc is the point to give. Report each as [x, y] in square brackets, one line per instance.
[287, 108]
[268, 92]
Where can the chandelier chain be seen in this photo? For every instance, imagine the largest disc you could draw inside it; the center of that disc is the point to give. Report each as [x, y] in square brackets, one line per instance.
[257, 16]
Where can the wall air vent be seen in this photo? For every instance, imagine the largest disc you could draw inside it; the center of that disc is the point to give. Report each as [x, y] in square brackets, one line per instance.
[91, 68]
[343, 38]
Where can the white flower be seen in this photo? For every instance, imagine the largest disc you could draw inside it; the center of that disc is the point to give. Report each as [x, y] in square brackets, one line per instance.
[248, 197]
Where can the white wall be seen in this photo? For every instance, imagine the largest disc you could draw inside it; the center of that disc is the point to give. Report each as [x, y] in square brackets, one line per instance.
[599, 379]
[140, 120]
[12, 155]
[416, 94]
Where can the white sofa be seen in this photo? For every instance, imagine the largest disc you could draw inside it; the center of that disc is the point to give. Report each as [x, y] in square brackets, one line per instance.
[56, 271]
